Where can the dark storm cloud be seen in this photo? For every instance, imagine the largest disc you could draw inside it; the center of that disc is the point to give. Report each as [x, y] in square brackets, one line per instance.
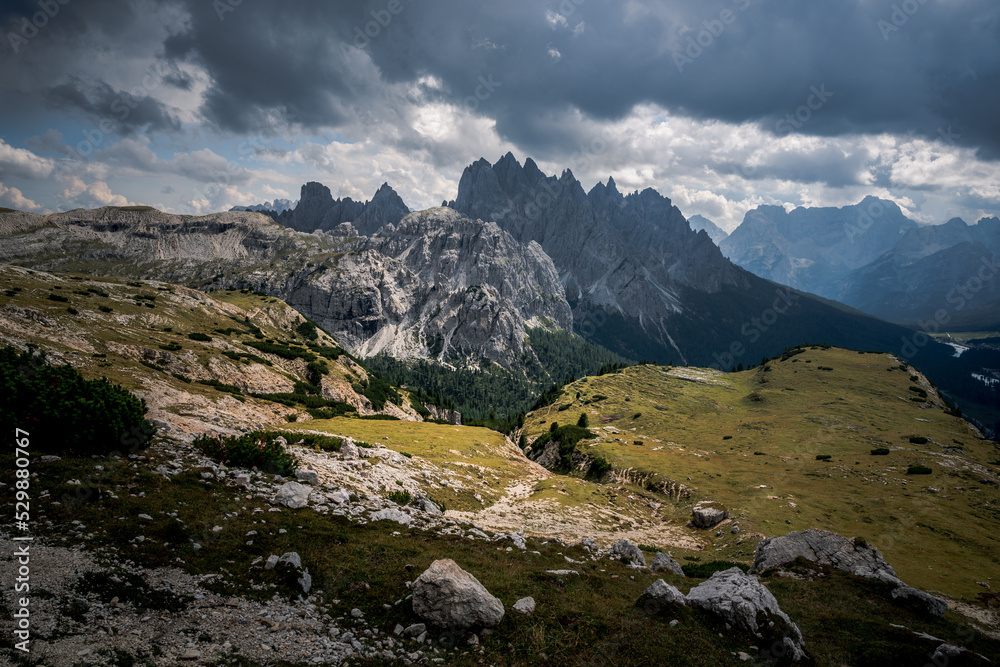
[905, 70]
[896, 66]
[126, 113]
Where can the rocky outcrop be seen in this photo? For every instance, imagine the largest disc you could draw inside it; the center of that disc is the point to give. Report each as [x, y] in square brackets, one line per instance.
[448, 597]
[742, 601]
[823, 548]
[851, 555]
[664, 563]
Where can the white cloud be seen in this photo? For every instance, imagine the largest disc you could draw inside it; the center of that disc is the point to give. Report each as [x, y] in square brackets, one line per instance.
[12, 198]
[78, 194]
[21, 162]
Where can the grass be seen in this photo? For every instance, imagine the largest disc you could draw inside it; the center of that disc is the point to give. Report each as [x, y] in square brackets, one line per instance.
[579, 620]
[800, 413]
[463, 450]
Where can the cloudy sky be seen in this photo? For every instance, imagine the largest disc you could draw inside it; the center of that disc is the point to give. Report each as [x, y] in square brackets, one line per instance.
[196, 105]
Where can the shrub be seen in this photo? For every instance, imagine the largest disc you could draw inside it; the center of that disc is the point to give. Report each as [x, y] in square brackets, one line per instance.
[66, 414]
[918, 470]
[170, 347]
[706, 570]
[283, 351]
[72, 311]
[823, 457]
[259, 449]
[327, 443]
[636, 415]
[598, 468]
[583, 421]
[759, 454]
[553, 427]
[58, 297]
[307, 330]
[197, 335]
[880, 451]
[305, 388]
[727, 437]
[638, 443]
[227, 388]
[105, 309]
[400, 497]
[918, 440]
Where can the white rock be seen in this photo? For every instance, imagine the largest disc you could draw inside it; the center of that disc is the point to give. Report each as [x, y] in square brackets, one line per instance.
[660, 596]
[449, 597]
[307, 476]
[525, 605]
[293, 495]
[664, 563]
[744, 602]
[392, 514]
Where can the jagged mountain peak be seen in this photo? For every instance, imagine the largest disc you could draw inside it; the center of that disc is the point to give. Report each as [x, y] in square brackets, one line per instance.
[317, 209]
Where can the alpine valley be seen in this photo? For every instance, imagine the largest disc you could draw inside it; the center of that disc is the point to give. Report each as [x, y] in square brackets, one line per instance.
[534, 425]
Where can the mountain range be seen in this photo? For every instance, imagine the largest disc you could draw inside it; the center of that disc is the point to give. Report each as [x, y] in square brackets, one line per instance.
[872, 257]
[277, 207]
[462, 285]
[701, 223]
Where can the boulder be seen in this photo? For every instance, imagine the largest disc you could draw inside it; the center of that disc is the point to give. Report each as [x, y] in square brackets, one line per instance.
[448, 597]
[525, 605]
[664, 563]
[625, 550]
[824, 548]
[934, 606]
[340, 497]
[705, 516]
[307, 476]
[293, 495]
[659, 597]
[290, 566]
[855, 556]
[426, 505]
[392, 514]
[745, 603]
[348, 451]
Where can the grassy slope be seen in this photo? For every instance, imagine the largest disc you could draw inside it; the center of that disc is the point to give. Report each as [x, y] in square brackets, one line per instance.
[585, 620]
[465, 450]
[791, 414]
[131, 328]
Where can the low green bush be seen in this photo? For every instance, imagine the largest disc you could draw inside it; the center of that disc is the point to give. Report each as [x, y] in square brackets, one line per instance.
[258, 449]
[400, 497]
[918, 440]
[880, 451]
[65, 414]
[198, 336]
[918, 470]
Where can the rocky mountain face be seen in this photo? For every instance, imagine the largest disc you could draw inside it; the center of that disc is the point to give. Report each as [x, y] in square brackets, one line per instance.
[317, 209]
[700, 223]
[811, 248]
[436, 285]
[643, 283]
[433, 285]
